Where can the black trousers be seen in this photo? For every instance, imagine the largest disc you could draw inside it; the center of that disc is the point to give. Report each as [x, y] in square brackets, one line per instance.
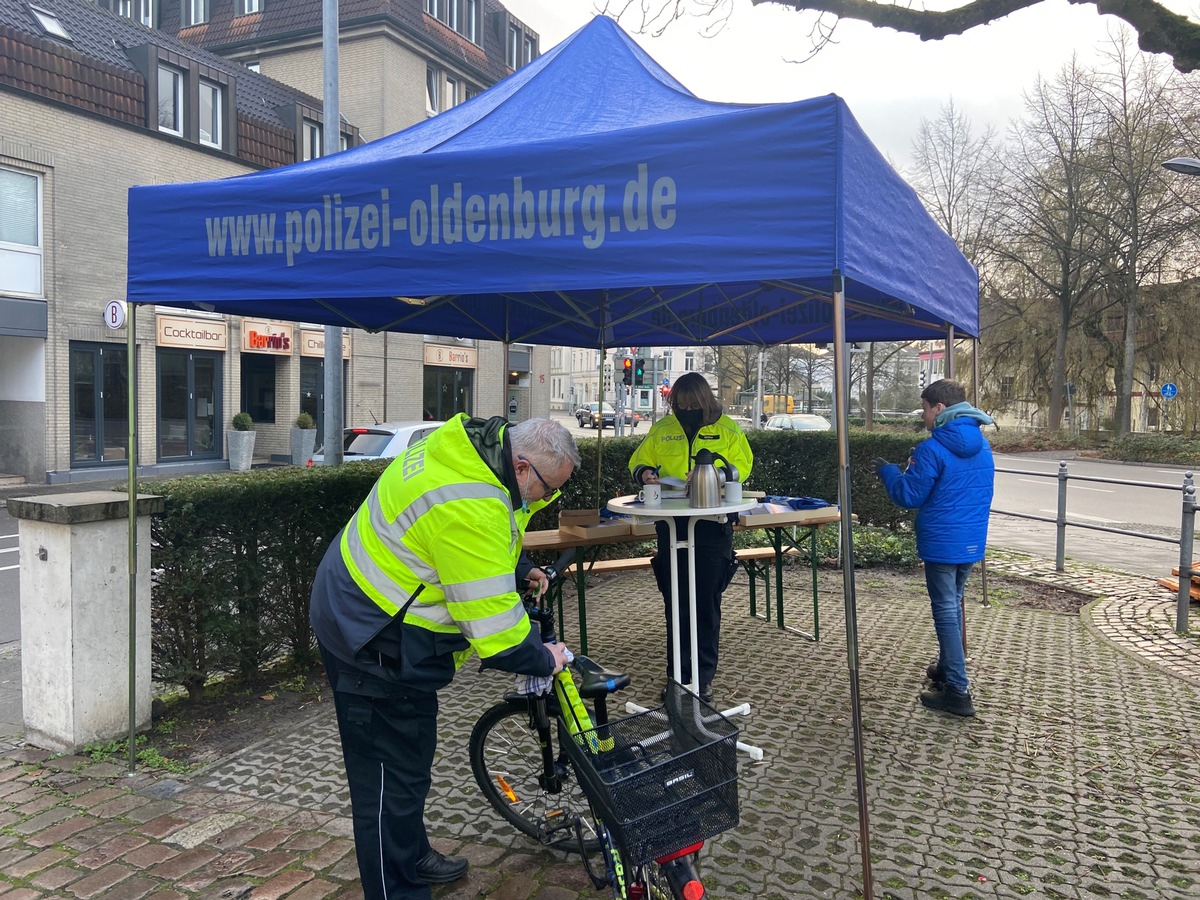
[389, 734]
[714, 569]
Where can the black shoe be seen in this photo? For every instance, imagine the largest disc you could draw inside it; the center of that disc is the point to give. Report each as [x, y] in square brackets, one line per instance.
[706, 693]
[434, 868]
[948, 699]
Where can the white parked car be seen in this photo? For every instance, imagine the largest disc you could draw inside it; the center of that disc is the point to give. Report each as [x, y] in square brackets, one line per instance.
[379, 441]
[798, 422]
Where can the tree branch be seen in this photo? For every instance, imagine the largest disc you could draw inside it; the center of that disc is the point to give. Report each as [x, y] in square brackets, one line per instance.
[1159, 30]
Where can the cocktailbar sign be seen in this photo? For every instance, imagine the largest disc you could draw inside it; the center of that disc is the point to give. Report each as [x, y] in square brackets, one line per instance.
[260, 336]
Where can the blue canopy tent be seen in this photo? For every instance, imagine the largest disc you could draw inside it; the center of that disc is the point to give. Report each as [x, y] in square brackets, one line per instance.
[588, 200]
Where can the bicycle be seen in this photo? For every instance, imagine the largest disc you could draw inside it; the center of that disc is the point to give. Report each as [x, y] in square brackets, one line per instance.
[644, 791]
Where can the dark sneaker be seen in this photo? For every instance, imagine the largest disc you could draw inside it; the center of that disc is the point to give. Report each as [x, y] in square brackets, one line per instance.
[434, 868]
[934, 672]
[706, 693]
[948, 699]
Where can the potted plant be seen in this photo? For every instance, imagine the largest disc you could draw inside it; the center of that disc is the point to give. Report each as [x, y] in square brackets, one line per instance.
[241, 442]
[304, 438]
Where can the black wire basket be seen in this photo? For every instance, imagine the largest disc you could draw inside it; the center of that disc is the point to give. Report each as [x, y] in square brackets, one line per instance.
[663, 779]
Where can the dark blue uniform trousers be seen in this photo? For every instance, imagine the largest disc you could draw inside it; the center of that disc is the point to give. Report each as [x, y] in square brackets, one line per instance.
[389, 734]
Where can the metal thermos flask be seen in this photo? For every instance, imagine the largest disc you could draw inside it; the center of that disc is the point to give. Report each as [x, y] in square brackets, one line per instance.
[704, 487]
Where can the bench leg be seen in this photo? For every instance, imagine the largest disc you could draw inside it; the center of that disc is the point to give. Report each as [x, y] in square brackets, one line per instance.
[580, 587]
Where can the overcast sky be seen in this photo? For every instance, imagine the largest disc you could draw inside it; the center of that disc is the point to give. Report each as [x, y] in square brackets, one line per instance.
[890, 80]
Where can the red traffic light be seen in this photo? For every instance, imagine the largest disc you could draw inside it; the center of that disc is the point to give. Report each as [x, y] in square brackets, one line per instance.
[628, 363]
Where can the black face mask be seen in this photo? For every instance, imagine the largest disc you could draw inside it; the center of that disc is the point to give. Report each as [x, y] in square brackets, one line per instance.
[690, 419]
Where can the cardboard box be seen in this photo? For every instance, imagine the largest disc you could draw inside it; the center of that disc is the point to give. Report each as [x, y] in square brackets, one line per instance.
[578, 517]
[643, 528]
[607, 528]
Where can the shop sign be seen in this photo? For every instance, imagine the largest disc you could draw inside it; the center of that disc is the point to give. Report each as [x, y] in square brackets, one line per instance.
[312, 343]
[260, 336]
[454, 357]
[194, 334]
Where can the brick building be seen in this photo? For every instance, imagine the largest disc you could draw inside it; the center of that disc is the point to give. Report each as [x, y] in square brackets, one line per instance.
[95, 98]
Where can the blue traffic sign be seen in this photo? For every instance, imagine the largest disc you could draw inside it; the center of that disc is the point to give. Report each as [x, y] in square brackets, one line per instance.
[1168, 390]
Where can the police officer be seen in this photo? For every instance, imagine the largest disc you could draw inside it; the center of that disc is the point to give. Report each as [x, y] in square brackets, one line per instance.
[420, 578]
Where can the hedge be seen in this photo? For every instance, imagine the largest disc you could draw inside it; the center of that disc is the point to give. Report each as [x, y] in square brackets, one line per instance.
[234, 554]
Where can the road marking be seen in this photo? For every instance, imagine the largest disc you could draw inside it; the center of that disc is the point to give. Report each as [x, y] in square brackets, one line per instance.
[1054, 512]
[7, 568]
[10, 550]
[1080, 487]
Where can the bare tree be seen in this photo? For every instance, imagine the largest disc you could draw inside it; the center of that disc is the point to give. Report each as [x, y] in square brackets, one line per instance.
[1159, 29]
[1048, 192]
[1134, 210]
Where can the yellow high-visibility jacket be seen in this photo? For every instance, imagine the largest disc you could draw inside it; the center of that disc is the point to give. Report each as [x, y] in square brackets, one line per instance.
[439, 525]
[666, 446]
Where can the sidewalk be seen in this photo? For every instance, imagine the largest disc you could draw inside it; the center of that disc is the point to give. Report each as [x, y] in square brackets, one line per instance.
[1075, 780]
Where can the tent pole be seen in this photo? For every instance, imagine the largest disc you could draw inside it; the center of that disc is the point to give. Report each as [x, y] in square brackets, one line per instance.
[600, 400]
[950, 352]
[983, 585]
[131, 455]
[841, 404]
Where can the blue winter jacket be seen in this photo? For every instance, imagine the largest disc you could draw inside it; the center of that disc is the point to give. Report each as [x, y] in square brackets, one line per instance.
[949, 482]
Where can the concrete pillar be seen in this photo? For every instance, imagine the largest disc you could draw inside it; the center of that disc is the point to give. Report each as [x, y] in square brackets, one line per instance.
[74, 552]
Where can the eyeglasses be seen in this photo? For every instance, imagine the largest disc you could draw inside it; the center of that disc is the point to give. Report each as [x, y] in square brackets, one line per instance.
[545, 483]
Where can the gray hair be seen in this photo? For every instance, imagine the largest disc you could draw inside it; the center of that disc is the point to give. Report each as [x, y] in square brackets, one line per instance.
[543, 442]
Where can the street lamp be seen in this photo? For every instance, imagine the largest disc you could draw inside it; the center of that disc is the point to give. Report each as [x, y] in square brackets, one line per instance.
[1185, 165]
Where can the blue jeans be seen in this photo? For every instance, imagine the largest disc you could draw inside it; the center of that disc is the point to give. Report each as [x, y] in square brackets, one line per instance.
[945, 583]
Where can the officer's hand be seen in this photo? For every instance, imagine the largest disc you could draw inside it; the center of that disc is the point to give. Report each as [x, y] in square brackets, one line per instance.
[559, 652]
[878, 463]
[539, 583]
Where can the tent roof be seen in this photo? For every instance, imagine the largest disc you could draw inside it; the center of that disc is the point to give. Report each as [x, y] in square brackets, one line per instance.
[589, 199]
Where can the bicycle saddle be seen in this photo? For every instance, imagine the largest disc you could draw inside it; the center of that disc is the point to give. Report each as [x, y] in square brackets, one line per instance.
[597, 681]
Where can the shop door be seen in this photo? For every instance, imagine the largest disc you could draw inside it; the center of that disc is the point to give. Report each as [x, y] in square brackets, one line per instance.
[99, 404]
[312, 393]
[189, 404]
[447, 392]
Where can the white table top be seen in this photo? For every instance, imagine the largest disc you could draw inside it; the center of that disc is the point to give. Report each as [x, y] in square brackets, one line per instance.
[674, 508]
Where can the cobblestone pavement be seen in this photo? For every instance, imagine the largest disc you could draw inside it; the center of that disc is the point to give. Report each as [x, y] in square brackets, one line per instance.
[1075, 780]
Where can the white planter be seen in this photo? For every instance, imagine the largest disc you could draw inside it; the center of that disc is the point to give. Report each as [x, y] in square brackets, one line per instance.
[303, 442]
[241, 450]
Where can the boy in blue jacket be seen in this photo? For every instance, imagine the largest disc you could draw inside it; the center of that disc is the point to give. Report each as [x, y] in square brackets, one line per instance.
[949, 481]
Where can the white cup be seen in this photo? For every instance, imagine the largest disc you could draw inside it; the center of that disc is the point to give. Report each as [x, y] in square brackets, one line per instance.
[651, 494]
[733, 492]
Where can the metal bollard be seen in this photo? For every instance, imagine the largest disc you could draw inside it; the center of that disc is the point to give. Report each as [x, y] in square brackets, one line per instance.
[1187, 532]
[1060, 540]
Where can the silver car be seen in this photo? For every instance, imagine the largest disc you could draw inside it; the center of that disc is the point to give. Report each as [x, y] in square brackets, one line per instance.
[798, 422]
[381, 441]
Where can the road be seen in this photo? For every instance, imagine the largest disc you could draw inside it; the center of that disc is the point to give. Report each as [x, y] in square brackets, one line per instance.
[1132, 508]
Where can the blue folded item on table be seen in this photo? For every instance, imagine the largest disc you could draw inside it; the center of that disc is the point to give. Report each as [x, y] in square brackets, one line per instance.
[797, 502]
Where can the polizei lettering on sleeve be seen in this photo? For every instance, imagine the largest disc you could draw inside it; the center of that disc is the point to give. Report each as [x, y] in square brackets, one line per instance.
[452, 214]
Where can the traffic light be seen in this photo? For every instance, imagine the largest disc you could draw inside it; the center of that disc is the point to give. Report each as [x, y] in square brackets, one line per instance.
[639, 373]
[922, 379]
[628, 377]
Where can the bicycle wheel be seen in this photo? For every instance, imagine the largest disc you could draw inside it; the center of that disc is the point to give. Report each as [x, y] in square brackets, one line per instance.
[506, 760]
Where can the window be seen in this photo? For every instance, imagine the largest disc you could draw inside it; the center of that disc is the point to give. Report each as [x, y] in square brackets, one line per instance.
[258, 386]
[195, 12]
[313, 140]
[253, 67]
[49, 22]
[434, 8]
[514, 45]
[432, 94]
[170, 100]
[145, 13]
[20, 232]
[689, 360]
[529, 50]
[1006, 388]
[211, 111]
[124, 8]
[471, 15]
[451, 94]
[248, 7]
